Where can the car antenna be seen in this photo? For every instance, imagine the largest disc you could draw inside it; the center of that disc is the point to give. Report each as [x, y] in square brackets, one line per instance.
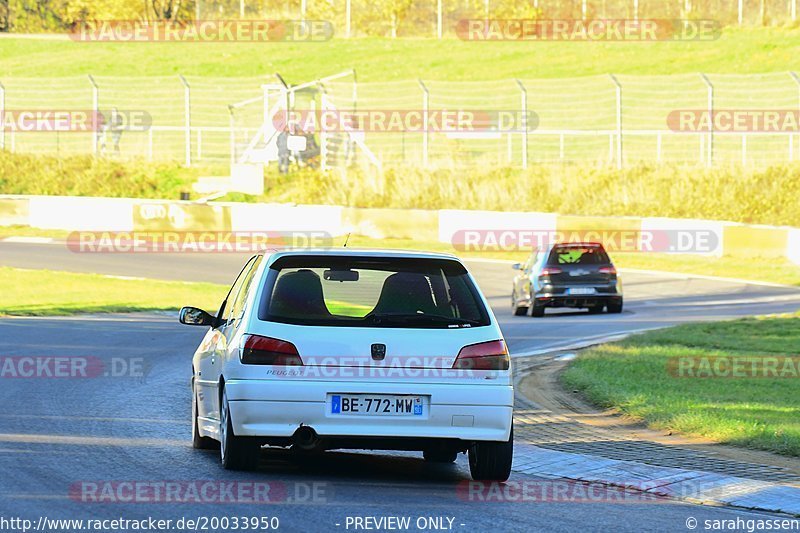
[345, 240]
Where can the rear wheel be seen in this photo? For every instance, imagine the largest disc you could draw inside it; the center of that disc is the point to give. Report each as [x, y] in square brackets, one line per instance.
[198, 442]
[236, 453]
[615, 307]
[491, 461]
[537, 309]
[440, 456]
[595, 309]
[518, 310]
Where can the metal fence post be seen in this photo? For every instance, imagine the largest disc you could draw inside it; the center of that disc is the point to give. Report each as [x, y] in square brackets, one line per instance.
[744, 149]
[636, 10]
[425, 133]
[618, 88]
[323, 135]
[2, 117]
[96, 110]
[347, 17]
[583, 10]
[710, 145]
[796, 79]
[232, 136]
[438, 19]
[524, 105]
[741, 12]
[187, 117]
[794, 10]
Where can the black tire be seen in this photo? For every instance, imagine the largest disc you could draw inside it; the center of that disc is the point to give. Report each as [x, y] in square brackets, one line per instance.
[491, 461]
[517, 309]
[198, 442]
[440, 456]
[595, 309]
[236, 453]
[537, 310]
[614, 307]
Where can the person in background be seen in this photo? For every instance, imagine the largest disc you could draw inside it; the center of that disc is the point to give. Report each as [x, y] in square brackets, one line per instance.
[283, 150]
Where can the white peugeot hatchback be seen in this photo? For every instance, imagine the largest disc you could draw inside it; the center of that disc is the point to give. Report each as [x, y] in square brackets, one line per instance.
[368, 349]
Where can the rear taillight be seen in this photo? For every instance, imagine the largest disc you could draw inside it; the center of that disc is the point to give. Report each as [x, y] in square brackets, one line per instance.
[549, 271]
[608, 270]
[258, 350]
[491, 355]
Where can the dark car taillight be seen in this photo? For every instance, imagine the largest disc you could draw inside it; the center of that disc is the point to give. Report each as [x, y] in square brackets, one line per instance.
[492, 355]
[258, 350]
[548, 271]
[610, 270]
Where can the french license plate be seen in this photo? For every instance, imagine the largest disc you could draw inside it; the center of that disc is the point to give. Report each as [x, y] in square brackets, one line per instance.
[580, 291]
[376, 405]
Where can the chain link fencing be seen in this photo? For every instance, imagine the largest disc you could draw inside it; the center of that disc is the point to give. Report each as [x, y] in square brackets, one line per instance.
[604, 120]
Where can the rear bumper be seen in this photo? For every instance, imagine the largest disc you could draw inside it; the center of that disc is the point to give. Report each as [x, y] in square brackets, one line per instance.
[266, 408]
[577, 301]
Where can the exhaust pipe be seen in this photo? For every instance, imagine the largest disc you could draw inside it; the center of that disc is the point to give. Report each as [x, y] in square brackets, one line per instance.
[306, 438]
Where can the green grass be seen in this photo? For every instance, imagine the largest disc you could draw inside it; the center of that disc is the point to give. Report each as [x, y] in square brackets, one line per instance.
[378, 59]
[632, 376]
[89, 176]
[47, 292]
[727, 193]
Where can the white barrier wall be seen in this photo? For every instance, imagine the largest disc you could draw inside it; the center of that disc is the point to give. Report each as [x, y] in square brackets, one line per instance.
[687, 236]
[793, 246]
[78, 213]
[73, 213]
[452, 221]
[286, 218]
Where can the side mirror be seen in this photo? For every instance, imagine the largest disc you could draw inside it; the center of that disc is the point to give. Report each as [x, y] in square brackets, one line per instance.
[517, 266]
[192, 316]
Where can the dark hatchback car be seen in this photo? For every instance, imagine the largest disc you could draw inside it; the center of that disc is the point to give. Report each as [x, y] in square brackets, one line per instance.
[577, 275]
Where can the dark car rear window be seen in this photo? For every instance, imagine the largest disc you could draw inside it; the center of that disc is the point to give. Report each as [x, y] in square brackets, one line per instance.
[371, 292]
[578, 255]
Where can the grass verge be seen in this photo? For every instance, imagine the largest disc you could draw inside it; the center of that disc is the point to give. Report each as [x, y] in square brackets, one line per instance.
[632, 376]
[380, 59]
[47, 292]
[748, 195]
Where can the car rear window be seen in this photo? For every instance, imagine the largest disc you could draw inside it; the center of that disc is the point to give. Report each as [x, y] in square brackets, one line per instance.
[578, 255]
[371, 292]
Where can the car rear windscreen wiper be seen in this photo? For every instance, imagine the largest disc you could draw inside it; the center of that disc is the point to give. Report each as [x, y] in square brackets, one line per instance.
[417, 318]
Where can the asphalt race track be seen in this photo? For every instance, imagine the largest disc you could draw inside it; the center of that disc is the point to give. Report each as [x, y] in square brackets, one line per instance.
[59, 436]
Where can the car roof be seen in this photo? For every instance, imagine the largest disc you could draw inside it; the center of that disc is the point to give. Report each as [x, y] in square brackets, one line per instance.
[580, 244]
[273, 255]
[576, 244]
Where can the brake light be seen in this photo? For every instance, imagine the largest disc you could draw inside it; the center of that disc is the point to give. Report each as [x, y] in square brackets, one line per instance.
[608, 270]
[491, 355]
[549, 271]
[258, 350]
